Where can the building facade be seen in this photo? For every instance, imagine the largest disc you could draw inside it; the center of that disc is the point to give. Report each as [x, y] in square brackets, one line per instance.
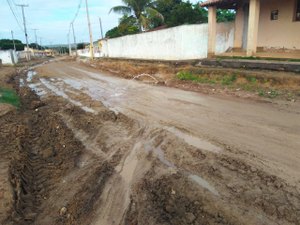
[260, 25]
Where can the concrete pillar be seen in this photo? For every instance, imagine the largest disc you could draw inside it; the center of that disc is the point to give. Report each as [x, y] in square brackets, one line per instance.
[254, 9]
[239, 27]
[212, 30]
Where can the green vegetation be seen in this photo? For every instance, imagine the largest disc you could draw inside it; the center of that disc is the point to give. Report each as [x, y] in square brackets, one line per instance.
[141, 11]
[265, 87]
[270, 93]
[228, 79]
[127, 25]
[148, 14]
[35, 46]
[224, 80]
[81, 45]
[252, 80]
[6, 44]
[9, 96]
[177, 12]
[192, 77]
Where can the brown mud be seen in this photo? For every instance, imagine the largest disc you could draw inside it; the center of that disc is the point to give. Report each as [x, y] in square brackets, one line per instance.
[63, 165]
[249, 84]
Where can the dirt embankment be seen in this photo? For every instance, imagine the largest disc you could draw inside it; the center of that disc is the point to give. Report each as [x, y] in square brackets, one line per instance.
[191, 76]
[63, 165]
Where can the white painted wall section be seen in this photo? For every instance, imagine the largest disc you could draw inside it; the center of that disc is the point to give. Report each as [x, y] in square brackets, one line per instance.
[8, 57]
[178, 43]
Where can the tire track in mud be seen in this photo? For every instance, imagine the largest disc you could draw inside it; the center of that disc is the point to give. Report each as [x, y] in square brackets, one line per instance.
[47, 151]
[213, 167]
[40, 159]
[75, 167]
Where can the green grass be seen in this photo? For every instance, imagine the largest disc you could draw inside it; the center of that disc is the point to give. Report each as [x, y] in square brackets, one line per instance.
[230, 80]
[225, 80]
[268, 93]
[9, 96]
[192, 77]
[252, 80]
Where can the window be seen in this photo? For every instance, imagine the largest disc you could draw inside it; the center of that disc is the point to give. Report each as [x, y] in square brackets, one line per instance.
[297, 11]
[274, 15]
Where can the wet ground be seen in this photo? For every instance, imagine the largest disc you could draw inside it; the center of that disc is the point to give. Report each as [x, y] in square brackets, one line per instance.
[97, 149]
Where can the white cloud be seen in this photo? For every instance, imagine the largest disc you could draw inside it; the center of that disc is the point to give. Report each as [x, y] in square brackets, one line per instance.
[52, 19]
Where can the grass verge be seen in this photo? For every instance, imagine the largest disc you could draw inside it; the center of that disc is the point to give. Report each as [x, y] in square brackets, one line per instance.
[9, 96]
[263, 86]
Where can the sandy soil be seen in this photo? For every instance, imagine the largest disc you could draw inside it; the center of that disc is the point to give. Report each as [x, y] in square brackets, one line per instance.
[89, 148]
[286, 85]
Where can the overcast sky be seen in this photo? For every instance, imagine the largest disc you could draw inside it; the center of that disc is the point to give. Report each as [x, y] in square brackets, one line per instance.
[52, 19]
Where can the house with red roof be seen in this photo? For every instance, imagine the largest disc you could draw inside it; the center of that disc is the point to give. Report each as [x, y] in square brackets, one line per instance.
[267, 28]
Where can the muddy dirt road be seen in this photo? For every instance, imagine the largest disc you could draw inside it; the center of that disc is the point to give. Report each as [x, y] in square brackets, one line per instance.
[208, 123]
[100, 149]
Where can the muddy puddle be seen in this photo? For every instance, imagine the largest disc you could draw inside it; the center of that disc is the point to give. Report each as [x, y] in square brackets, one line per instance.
[103, 150]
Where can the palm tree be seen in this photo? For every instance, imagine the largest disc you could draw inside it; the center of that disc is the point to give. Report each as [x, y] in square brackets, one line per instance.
[142, 10]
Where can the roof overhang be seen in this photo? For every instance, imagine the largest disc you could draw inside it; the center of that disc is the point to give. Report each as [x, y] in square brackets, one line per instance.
[223, 4]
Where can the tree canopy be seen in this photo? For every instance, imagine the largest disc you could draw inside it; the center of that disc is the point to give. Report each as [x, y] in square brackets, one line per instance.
[6, 44]
[185, 13]
[127, 25]
[35, 46]
[169, 13]
[141, 10]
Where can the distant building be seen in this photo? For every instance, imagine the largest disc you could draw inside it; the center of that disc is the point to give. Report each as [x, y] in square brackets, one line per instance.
[262, 27]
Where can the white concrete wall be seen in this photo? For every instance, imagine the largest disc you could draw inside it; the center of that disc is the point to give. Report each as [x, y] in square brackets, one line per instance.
[177, 43]
[8, 56]
[86, 53]
[225, 37]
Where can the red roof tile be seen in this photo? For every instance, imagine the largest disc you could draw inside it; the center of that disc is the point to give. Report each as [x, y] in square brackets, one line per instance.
[217, 2]
[210, 2]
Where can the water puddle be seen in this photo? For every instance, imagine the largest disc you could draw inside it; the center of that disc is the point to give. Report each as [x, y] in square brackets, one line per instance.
[73, 83]
[30, 75]
[22, 84]
[61, 93]
[105, 94]
[203, 183]
[37, 89]
[194, 141]
[195, 178]
[159, 154]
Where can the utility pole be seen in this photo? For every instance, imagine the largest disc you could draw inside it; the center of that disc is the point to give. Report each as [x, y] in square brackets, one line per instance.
[70, 50]
[25, 30]
[90, 31]
[12, 36]
[74, 38]
[36, 42]
[100, 22]
[41, 43]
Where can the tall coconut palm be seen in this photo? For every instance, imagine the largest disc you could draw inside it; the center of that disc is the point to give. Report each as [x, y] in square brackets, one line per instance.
[142, 10]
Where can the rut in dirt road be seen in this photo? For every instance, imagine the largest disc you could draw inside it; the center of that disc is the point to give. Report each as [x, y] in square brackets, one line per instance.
[75, 161]
[263, 130]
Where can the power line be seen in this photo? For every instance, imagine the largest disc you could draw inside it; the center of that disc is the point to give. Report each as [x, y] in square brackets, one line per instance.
[90, 30]
[25, 29]
[11, 9]
[72, 25]
[36, 42]
[77, 12]
[12, 37]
